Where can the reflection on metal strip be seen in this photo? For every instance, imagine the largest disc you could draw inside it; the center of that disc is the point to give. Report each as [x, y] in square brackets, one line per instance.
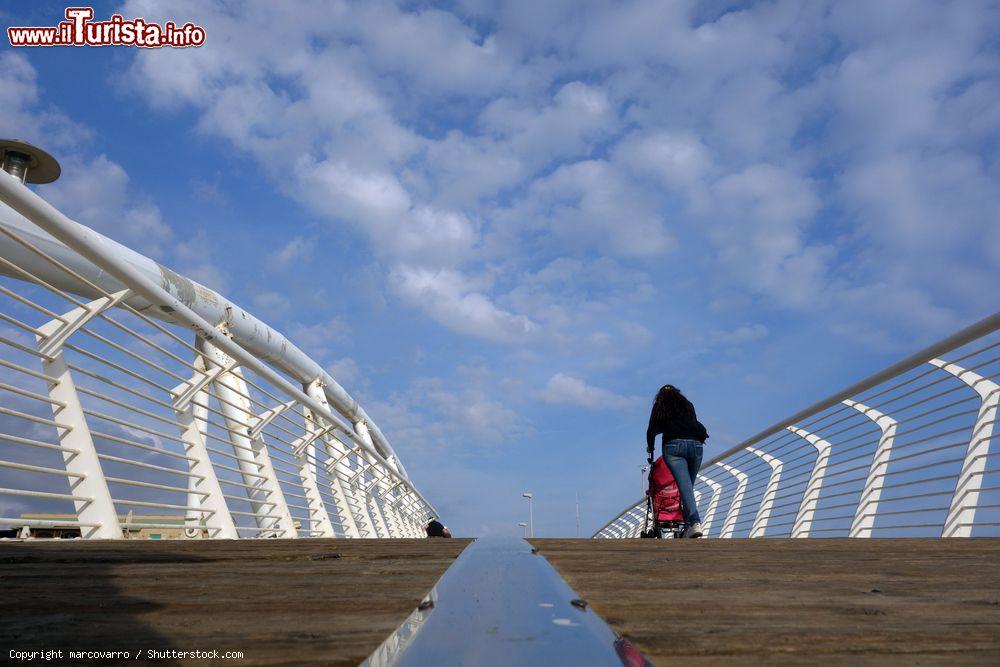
[501, 604]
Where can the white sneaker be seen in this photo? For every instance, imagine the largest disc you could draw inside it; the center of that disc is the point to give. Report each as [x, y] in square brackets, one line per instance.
[694, 530]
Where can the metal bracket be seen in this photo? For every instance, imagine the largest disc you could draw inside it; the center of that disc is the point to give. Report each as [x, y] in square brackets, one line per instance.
[55, 332]
[331, 464]
[266, 417]
[185, 392]
[299, 446]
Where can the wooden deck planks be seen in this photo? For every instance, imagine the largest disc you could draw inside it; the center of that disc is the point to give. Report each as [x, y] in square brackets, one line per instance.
[278, 601]
[814, 601]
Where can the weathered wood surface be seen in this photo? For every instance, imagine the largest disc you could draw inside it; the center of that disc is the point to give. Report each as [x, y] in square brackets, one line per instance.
[312, 602]
[813, 601]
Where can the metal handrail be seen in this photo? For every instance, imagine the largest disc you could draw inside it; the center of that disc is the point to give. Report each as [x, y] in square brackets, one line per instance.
[800, 471]
[67, 259]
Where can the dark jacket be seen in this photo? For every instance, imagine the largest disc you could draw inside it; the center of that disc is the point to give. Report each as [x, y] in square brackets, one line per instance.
[674, 429]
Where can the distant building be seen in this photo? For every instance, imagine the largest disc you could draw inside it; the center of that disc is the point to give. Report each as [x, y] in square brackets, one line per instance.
[60, 526]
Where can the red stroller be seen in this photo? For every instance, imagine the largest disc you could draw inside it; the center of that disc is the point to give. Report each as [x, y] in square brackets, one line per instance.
[663, 503]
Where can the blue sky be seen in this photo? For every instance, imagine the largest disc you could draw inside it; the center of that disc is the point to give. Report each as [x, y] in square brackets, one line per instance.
[503, 230]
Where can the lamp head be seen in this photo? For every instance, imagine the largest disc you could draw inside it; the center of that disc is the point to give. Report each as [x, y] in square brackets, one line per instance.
[27, 163]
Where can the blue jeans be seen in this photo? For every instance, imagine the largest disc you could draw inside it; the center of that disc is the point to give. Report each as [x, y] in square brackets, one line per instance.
[683, 457]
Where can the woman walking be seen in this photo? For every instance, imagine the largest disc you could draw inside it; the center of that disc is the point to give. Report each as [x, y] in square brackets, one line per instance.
[684, 436]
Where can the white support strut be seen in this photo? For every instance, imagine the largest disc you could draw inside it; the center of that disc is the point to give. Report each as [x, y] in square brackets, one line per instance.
[204, 490]
[729, 525]
[713, 504]
[93, 503]
[264, 492]
[864, 516]
[962, 511]
[810, 499]
[770, 492]
[343, 507]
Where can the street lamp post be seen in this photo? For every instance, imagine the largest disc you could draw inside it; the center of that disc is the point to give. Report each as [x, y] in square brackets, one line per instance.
[525, 526]
[531, 519]
[578, 514]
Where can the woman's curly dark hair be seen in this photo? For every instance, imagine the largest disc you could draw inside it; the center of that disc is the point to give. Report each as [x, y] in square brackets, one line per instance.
[671, 404]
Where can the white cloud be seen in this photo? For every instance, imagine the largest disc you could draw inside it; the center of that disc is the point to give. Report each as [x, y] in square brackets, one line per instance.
[758, 220]
[458, 414]
[268, 303]
[96, 193]
[194, 258]
[344, 370]
[92, 190]
[563, 389]
[590, 205]
[448, 298]
[565, 126]
[25, 117]
[297, 250]
[797, 146]
[678, 159]
[747, 333]
[318, 339]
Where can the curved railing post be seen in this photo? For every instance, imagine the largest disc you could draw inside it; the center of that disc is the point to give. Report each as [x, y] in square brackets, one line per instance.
[342, 507]
[713, 504]
[770, 492]
[264, 492]
[92, 501]
[864, 517]
[807, 508]
[636, 517]
[381, 530]
[304, 449]
[61, 258]
[190, 403]
[962, 511]
[859, 477]
[729, 525]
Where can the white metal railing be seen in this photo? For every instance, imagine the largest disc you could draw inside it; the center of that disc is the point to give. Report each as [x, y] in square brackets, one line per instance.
[906, 452]
[128, 391]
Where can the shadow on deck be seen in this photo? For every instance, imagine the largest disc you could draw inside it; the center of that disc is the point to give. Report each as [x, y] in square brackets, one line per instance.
[304, 602]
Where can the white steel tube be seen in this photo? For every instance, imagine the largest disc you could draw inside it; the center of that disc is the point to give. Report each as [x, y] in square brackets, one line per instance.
[266, 498]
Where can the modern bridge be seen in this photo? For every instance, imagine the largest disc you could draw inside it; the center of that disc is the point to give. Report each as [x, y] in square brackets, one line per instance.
[136, 402]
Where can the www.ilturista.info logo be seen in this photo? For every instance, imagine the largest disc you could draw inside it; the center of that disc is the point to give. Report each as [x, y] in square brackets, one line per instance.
[80, 30]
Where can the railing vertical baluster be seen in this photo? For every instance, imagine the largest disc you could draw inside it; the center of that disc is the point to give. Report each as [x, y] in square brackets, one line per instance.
[378, 521]
[266, 496]
[713, 504]
[204, 491]
[99, 508]
[962, 511]
[729, 525]
[864, 517]
[770, 492]
[810, 498]
[319, 519]
[315, 391]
